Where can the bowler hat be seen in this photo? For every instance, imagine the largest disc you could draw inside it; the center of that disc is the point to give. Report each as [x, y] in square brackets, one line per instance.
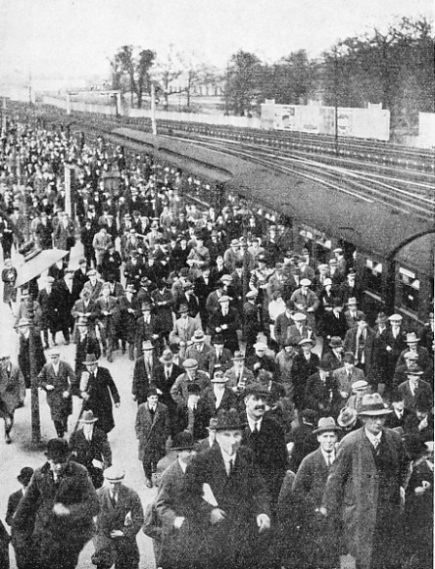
[372, 405]
[57, 450]
[88, 417]
[326, 424]
[182, 441]
[114, 474]
[25, 475]
[228, 420]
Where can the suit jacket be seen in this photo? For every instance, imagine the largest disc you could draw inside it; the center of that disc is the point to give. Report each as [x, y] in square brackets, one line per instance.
[203, 357]
[323, 396]
[101, 390]
[344, 381]
[332, 360]
[246, 374]
[332, 326]
[228, 401]
[201, 420]
[164, 384]
[142, 377]
[152, 432]
[270, 453]
[309, 485]
[95, 289]
[113, 516]
[12, 388]
[423, 390]
[13, 502]
[64, 381]
[184, 330]
[224, 362]
[179, 389]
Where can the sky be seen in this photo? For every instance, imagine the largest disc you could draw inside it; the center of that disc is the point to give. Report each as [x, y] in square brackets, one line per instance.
[76, 38]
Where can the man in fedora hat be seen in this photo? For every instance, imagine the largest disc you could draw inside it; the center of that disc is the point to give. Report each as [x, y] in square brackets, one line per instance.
[148, 328]
[119, 521]
[219, 395]
[98, 390]
[226, 323]
[184, 328]
[143, 373]
[318, 540]
[334, 357]
[55, 515]
[365, 488]
[173, 550]
[89, 446]
[165, 374]
[23, 555]
[153, 429]
[231, 517]
[352, 314]
[414, 387]
[210, 441]
[200, 351]
[58, 380]
[359, 340]
[413, 343]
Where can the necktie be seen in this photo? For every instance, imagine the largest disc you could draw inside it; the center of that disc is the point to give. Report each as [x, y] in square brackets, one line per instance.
[256, 430]
[376, 443]
[231, 466]
[167, 373]
[328, 459]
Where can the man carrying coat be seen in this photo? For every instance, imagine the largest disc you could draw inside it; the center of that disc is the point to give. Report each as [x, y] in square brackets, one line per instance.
[119, 521]
[365, 488]
[227, 500]
[58, 379]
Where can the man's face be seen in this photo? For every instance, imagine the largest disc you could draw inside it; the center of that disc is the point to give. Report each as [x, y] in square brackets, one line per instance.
[55, 358]
[153, 400]
[229, 440]
[148, 353]
[374, 424]
[306, 349]
[323, 374]
[260, 352]
[91, 368]
[255, 406]
[362, 325]
[23, 330]
[348, 366]
[114, 486]
[413, 346]
[327, 440]
[421, 415]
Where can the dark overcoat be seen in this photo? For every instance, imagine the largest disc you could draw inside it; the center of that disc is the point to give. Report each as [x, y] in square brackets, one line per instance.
[101, 390]
[12, 389]
[127, 516]
[49, 531]
[242, 495]
[152, 432]
[359, 496]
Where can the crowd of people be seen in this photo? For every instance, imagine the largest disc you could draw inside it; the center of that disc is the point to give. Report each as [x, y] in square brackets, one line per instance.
[280, 428]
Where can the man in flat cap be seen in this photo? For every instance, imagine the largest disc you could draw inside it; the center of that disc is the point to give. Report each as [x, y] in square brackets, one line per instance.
[365, 488]
[118, 523]
[232, 515]
[56, 512]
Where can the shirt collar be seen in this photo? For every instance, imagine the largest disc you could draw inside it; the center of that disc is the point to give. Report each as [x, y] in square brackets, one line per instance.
[328, 455]
[252, 423]
[374, 439]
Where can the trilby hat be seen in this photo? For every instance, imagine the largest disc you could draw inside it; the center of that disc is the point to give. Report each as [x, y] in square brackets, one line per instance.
[326, 424]
[372, 405]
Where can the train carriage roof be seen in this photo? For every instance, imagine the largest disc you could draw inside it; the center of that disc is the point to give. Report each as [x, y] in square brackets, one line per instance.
[372, 227]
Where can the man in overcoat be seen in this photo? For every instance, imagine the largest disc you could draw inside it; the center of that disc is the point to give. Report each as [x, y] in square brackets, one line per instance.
[118, 522]
[98, 390]
[90, 447]
[153, 429]
[231, 514]
[365, 487]
[24, 350]
[173, 549]
[58, 380]
[55, 516]
[12, 392]
[319, 546]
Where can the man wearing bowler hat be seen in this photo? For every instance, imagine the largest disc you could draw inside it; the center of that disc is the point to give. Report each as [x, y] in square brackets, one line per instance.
[228, 500]
[89, 446]
[118, 522]
[56, 512]
[98, 390]
[23, 555]
[173, 549]
[319, 545]
[365, 488]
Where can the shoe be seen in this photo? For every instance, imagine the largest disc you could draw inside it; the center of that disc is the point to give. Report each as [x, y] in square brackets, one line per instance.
[148, 483]
[8, 439]
[66, 342]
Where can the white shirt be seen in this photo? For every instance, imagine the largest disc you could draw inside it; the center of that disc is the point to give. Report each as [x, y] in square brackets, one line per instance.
[253, 423]
[328, 456]
[374, 439]
[56, 368]
[183, 466]
[218, 394]
[228, 460]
